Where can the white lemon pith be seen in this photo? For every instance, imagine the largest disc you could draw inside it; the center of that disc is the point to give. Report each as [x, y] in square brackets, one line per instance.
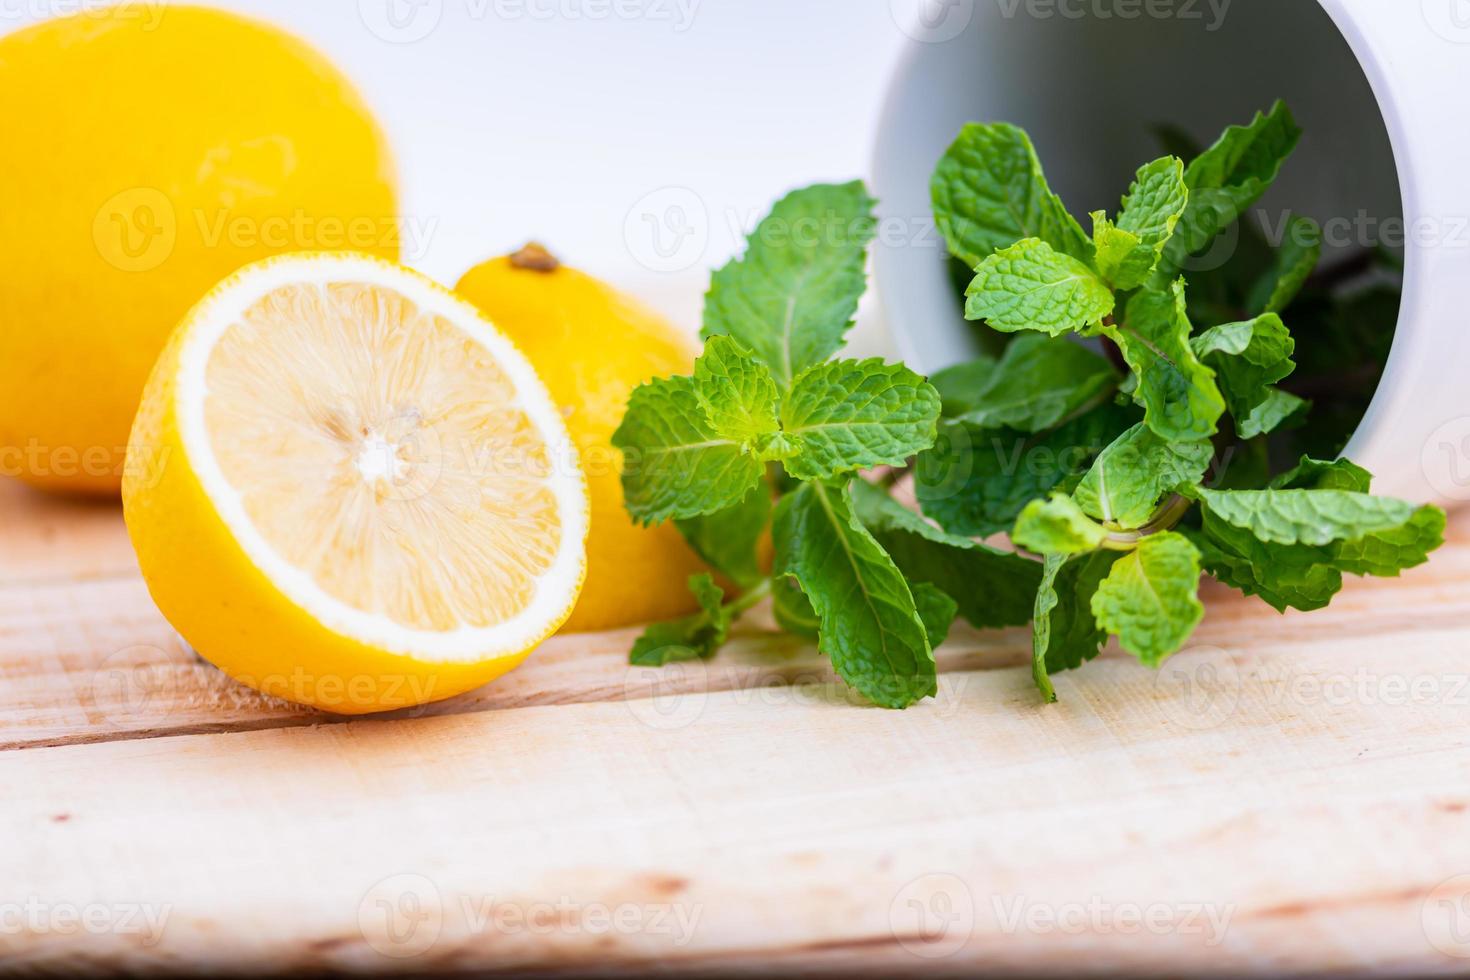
[353, 491]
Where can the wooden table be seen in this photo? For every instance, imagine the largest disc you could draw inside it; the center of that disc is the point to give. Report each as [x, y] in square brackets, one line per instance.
[1293, 793]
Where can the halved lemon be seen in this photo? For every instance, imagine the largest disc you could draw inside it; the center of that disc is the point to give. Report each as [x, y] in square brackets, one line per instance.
[347, 489]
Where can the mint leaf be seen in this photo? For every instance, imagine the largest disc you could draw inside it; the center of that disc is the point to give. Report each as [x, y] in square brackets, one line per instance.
[1132, 476]
[697, 637]
[1155, 202]
[1032, 286]
[1181, 400]
[793, 295]
[1123, 259]
[870, 626]
[737, 393]
[844, 416]
[993, 588]
[1227, 179]
[1248, 358]
[959, 385]
[1286, 577]
[674, 463]
[1038, 383]
[1057, 526]
[937, 611]
[729, 540]
[1386, 554]
[1150, 599]
[793, 610]
[989, 192]
[1307, 517]
[1065, 635]
[1296, 260]
[1129, 251]
[975, 481]
[1316, 474]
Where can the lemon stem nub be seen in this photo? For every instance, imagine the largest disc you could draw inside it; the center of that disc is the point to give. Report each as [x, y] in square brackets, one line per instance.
[535, 258]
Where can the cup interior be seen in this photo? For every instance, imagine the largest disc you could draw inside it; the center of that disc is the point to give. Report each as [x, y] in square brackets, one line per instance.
[1091, 85]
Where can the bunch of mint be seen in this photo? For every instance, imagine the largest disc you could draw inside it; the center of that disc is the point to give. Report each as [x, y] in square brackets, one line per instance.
[1102, 456]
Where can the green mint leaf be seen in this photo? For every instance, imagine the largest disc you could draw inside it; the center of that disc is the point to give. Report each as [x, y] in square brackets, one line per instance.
[844, 416]
[737, 393]
[1032, 286]
[1292, 546]
[1155, 202]
[1057, 526]
[1248, 358]
[1150, 599]
[1039, 382]
[1132, 476]
[993, 588]
[870, 626]
[937, 611]
[1182, 402]
[1227, 179]
[1316, 474]
[1285, 576]
[1386, 554]
[792, 297]
[1123, 259]
[674, 463]
[1065, 634]
[989, 192]
[1296, 260]
[975, 482]
[793, 610]
[1306, 517]
[1130, 250]
[729, 540]
[959, 385]
[697, 637]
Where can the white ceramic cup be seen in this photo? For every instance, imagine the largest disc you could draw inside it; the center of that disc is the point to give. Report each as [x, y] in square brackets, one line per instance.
[1381, 87]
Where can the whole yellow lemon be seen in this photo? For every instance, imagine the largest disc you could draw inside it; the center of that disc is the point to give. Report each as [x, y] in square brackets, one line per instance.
[148, 151]
[592, 346]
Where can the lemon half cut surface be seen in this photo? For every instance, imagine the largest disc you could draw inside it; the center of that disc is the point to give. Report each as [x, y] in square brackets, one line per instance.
[347, 489]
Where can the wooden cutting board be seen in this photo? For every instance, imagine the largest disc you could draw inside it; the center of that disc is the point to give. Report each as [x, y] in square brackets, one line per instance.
[1292, 793]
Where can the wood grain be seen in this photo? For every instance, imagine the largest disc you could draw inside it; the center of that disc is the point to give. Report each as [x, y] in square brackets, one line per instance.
[1305, 780]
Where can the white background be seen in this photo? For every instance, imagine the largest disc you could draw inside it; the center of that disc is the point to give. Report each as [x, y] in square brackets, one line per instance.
[556, 119]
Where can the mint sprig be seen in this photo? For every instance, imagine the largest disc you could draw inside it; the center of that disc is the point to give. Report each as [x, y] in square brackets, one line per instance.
[1121, 436]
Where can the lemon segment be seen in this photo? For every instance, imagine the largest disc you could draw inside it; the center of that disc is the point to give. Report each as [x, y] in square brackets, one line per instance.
[353, 491]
